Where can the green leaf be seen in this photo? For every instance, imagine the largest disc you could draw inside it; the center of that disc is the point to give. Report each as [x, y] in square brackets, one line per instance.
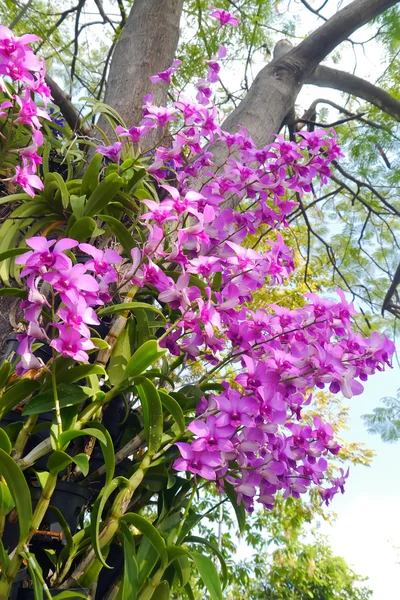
[107, 448]
[36, 574]
[16, 393]
[183, 569]
[68, 395]
[161, 591]
[5, 372]
[79, 372]
[143, 358]
[96, 514]
[173, 408]
[120, 356]
[129, 585]
[110, 310]
[152, 415]
[189, 592]
[6, 500]
[20, 492]
[209, 575]
[238, 508]
[58, 461]
[99, 343]
[4, 558]
[54, 180]
[120, 231]
[82, 229]
[91, 177]
[5, 443]
[15, 292]
[12, 252]
[67, 436]
[198, 540]
[82, 460]
[103, 194]
[63, 523]
[152, 534]
[77, 205]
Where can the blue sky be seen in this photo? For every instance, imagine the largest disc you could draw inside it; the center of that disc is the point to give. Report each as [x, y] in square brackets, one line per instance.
[367, 528]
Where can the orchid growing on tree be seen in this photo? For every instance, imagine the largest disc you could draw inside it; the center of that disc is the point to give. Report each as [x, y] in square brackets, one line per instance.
[175, 271]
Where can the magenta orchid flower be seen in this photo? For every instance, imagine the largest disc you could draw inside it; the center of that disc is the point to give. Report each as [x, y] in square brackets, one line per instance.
[224, 17]
[102, 261]
[112, 152]
[70, 282]
[78, 315]
[26, 178]
[70, 343]
[42, 257]
[165, 76]
[200, 463]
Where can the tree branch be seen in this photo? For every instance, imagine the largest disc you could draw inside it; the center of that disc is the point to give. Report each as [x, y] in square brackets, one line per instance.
[351, 84]
[274, 90]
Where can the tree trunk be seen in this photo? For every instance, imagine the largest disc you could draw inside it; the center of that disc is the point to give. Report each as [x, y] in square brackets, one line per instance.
[147, 45]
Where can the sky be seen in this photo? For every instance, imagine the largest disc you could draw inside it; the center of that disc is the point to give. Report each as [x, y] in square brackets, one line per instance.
[367, 529]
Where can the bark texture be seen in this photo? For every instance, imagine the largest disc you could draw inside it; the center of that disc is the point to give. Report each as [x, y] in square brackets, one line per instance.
[351, 84]
[275, 89]
[147, 45]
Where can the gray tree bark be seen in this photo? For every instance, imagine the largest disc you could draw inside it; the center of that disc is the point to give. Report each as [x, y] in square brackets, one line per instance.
[275, 89]
[147, 45]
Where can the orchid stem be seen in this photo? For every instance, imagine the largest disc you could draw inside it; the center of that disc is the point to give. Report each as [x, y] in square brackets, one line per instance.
[56, 400]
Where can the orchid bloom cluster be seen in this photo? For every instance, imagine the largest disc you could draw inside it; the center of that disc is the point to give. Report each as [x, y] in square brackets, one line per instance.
[19, 64]
[197, 259]
[75, 290]
[250, 435]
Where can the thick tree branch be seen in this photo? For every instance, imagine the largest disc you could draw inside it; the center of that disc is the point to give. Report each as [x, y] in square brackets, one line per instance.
[276, 87]
[351, 84]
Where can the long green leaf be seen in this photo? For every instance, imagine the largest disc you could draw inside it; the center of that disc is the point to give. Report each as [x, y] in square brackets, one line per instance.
[107, 449]
[15, 394]
[161, 592]
[91, 177]
[12, 292]
[103, 194]
[67, 436]
[143, 358]
[110, 310]
[152, 534]
[68, 395]
[96, 514]
[152, 415]
[82, 229]
[120, 231]
[209, 575]
[20, 492]
[238, 508]
[12, 252]
[173, 408]
[80, 372]
[129, 585]
[198, 540]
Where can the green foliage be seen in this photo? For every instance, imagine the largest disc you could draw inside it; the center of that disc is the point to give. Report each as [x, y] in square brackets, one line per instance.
[385, 420]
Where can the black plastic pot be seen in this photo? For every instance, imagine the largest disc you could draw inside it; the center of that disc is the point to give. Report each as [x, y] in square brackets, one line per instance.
[114, 416]
[68, 497]
[28, 593]
[17, 583]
